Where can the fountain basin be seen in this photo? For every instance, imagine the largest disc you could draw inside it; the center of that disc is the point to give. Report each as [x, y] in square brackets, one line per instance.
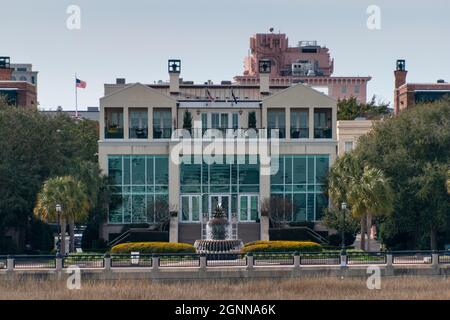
[219, 248]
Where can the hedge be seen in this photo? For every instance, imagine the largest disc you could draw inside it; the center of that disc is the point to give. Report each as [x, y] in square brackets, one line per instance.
[153, 247]
[281, 246]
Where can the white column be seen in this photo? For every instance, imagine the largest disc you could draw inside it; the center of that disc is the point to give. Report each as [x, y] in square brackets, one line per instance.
[102, 123]
[174, 196]
[311, 122]
[126, 131]
[288, 123]
[150, 123]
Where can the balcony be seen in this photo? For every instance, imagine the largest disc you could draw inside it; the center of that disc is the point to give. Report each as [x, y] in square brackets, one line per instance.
[323, 133]
[113, 132]
[299, 133]
[162, 133]
[138, 133]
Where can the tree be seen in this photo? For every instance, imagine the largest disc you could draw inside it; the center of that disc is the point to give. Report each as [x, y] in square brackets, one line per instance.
[370, 195]
[350, 109]
[412, 150]
[341, 221]
[71, 195]
[366, 191]
[277, 208]
[448, 181]
[35, 147]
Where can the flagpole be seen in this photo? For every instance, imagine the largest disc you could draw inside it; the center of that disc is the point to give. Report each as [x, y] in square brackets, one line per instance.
[76, 97]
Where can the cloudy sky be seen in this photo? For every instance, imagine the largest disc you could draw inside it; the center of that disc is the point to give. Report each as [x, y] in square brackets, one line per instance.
[134, 39]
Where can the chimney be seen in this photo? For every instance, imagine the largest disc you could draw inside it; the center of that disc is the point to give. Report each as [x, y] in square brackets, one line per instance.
[400, 80]
[174, 74]
[265, 67]
[400, 74]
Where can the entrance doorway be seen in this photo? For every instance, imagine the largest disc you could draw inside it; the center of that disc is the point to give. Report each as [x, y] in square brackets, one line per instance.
[220, 199]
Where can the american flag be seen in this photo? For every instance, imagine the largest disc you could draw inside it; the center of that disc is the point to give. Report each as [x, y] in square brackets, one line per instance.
[81, 84]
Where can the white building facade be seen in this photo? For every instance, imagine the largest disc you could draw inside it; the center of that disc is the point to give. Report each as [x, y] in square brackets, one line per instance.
[152, 174]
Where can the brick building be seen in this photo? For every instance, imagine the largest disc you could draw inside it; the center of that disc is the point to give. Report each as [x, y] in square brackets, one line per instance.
[407, 95]
[21, 93]
[307, 63]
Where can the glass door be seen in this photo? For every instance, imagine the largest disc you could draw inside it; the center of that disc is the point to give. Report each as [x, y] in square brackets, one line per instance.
[248, 208]
[222, 200]
[190, 208]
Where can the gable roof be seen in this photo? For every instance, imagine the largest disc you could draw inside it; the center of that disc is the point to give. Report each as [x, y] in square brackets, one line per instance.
[137, 95]
[300, 95]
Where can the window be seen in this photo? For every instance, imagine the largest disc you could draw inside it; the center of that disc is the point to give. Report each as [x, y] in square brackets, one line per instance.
[276, 119]
[299, 123]
[344, 89]
[248, 208]
[299, 184]
[348, 146]
[113, 123]
[357, 89]
[162, 124]
[323, 123]
[227, 180]
[220, 121]
[139, 188]
[138, 124]
[190, 208]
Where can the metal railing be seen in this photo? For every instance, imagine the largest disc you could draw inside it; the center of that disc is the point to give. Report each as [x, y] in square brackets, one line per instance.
[276, 258]
[84, 261]
[444, 257]
[194, 260]
[179, 260]
[355, 258]
[320, 258]
[226, 260]
[412, 257]
[131, 261]
[34, 262]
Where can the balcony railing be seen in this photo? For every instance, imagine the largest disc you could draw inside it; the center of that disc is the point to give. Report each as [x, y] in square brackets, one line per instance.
[113, 132]
[138, 133]
[299, 133]
[162, 133]
[323, 133]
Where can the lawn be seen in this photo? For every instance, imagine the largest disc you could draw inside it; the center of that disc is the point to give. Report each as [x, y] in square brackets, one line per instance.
[288, 289]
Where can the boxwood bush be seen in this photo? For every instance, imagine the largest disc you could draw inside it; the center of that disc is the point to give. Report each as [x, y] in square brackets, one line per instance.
[282, 246]
[153, 247]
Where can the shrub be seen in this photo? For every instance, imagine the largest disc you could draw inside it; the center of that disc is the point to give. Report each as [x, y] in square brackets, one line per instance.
[153, 247]
[281, 246]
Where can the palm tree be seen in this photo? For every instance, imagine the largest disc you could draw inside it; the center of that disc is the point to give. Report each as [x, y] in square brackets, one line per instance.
[71, 195]
[370, 195]
[366, 191]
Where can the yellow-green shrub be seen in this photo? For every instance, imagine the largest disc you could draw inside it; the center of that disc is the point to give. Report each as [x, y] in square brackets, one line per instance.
[153, 247]
[281, 246]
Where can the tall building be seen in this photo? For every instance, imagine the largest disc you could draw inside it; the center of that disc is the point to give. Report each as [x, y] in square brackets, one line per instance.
[140, 151]
[307, 63]
[407, 95]
[18, 84]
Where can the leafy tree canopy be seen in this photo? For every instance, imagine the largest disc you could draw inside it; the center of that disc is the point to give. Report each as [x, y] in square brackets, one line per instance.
[350, 109]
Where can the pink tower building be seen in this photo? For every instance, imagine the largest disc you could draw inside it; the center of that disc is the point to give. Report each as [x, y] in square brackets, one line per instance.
[307, 63]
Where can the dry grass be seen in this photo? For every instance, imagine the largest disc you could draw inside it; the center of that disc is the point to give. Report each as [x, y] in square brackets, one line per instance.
[287, 289]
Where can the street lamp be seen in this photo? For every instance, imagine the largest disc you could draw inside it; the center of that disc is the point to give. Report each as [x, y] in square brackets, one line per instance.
[58, 213]
[343, 208]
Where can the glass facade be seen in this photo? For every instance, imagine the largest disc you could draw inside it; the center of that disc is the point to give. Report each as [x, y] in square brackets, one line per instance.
[299, 123]
[113, 123]
[218, 182]
[300, 181]
[276, 119]
[138, 124]
[162, 124]
[323, 128]
[139, 188]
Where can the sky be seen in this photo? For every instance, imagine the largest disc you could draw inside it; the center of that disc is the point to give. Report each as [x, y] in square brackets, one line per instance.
[135, 38]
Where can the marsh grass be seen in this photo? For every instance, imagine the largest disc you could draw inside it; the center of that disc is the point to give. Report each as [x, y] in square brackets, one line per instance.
[256, 289]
